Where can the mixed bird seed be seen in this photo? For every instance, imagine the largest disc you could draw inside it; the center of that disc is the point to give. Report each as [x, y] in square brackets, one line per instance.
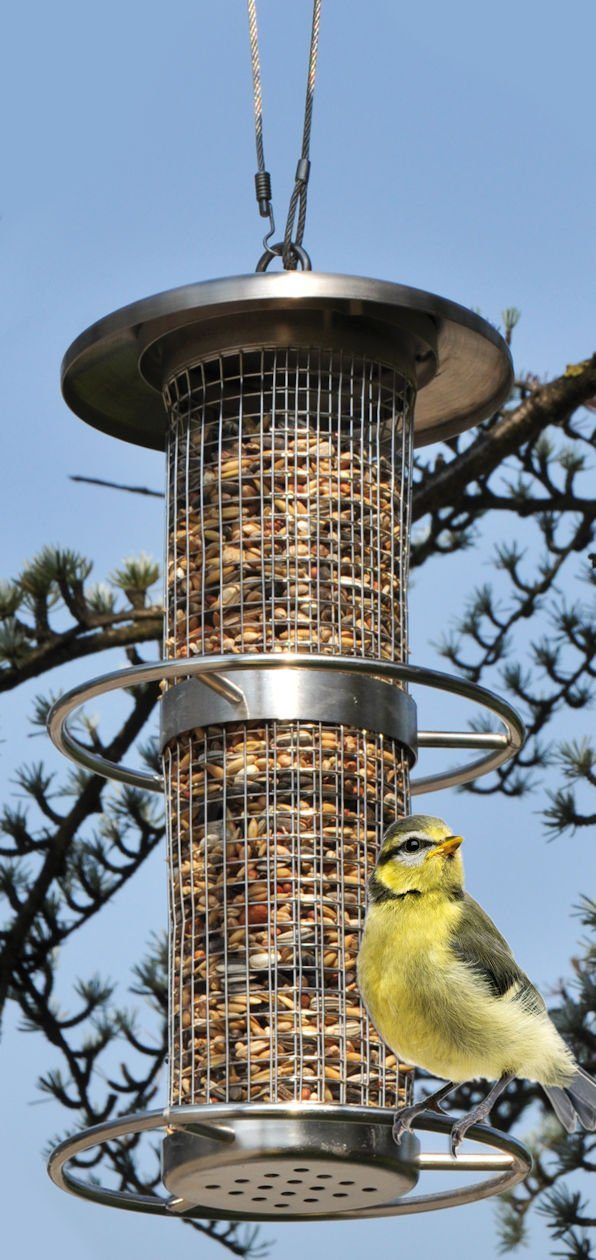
[284, 534]
[275, 831]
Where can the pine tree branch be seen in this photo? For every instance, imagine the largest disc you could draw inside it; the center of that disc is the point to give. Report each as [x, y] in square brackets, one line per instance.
[87, 803]
[549, 404]
[486, 501]
[116, 485]
[144, 625]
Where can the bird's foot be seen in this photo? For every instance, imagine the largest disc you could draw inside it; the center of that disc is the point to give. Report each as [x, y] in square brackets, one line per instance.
[404, 1117]
[458, 1132]
[402, 1122]
[432, 1104]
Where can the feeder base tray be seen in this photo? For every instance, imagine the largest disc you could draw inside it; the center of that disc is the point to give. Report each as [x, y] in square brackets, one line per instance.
[294, 1167]
[209, 1148]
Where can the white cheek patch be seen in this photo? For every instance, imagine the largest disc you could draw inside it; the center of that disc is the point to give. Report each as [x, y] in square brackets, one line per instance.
[411, 859]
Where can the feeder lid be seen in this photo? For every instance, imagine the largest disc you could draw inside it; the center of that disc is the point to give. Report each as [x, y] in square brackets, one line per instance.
[113, 374]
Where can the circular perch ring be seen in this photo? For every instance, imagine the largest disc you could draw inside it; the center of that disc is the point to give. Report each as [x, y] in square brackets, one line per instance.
[508, 1159]
[501, 745]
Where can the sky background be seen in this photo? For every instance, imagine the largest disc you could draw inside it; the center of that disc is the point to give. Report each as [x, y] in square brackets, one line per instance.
[453, 151]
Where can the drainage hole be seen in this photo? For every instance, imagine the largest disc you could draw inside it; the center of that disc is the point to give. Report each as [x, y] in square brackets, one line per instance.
[294, 1181]
[212, 1187]
[311, 1200]
[300, 1170]
[345, 1183]
[273, 1174]
[282, 1205]
[324, 1176]
[264, 1187]
[243, 1181]
[288, 1194]
[258, 1198]
[235, 1191]
[317, 1188]
[340, 1194]
[369, 1189]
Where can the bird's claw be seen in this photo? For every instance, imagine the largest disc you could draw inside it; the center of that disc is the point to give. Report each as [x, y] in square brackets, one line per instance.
[460, 1128]
[398, 1130]
[402, 1123]
[456, 1138]
[403, 1119]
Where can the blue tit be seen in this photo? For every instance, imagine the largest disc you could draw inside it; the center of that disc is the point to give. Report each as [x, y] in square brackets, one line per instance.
[443, 989]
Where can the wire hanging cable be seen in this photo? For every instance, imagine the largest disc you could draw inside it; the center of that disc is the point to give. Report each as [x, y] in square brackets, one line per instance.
[290, 249]
[262, 177]
[303, 169]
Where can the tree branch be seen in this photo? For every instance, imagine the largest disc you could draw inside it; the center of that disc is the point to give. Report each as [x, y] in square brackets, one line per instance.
[145, 625]
[88, 802]
[549, 404]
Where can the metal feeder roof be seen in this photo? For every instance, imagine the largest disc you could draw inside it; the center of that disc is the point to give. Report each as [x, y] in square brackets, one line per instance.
[112, 375]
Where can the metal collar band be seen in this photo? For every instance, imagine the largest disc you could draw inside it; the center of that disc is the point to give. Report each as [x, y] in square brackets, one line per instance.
[301, 695]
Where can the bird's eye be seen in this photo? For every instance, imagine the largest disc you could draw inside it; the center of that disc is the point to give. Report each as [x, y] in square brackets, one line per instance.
[411, 846]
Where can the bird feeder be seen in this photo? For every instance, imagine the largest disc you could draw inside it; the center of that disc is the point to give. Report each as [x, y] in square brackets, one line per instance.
[288, 406]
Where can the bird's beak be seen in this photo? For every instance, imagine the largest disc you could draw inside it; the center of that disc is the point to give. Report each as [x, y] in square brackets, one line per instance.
[448, 847]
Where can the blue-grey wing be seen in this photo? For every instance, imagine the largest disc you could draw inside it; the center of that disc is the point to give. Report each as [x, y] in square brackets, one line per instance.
[479, 945]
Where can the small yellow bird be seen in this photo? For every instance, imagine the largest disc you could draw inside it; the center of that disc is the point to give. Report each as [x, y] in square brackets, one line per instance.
[444, 991]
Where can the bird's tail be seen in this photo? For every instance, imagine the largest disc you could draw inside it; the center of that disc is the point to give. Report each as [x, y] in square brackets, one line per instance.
[577, 1101]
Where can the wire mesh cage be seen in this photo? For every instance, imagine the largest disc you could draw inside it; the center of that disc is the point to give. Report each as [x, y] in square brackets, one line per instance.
[289, 489]
[269, 867]
[289, 495]
[292, 404]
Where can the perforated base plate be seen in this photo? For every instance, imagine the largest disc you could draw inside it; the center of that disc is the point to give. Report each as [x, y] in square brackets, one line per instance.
[292, 1168]
[316, 1187]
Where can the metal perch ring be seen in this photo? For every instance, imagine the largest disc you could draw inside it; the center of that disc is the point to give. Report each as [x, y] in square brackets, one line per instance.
[499, 746]
[221, 1124]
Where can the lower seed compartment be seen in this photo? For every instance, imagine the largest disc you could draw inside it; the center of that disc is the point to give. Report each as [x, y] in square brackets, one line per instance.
[273, 831]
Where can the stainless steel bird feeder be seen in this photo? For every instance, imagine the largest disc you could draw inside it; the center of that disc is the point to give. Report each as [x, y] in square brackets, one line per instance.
[288, 406]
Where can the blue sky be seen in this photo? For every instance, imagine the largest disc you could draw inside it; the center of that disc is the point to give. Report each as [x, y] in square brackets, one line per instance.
[452, 150]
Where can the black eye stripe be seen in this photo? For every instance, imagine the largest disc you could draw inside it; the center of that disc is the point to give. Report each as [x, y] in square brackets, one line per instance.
[423, 841]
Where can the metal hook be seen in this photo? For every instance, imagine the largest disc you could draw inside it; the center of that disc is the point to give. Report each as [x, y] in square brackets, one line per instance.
[271, 232]
[276, 251]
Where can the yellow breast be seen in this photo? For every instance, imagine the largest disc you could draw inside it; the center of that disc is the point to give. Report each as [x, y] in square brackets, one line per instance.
[405, 973]
[435, 1012]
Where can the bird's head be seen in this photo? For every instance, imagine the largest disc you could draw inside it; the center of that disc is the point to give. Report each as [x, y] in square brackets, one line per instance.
[419, 854]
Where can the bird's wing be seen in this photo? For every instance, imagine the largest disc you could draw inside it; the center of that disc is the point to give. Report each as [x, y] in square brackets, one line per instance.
[479, 945]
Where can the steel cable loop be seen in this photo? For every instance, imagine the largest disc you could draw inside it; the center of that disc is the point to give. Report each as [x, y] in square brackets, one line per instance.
[290, 252]
[299, 193]
[298, 254]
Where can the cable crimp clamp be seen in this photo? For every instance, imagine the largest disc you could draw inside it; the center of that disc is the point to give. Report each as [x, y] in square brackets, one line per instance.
[303, 171]
[263, 191]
